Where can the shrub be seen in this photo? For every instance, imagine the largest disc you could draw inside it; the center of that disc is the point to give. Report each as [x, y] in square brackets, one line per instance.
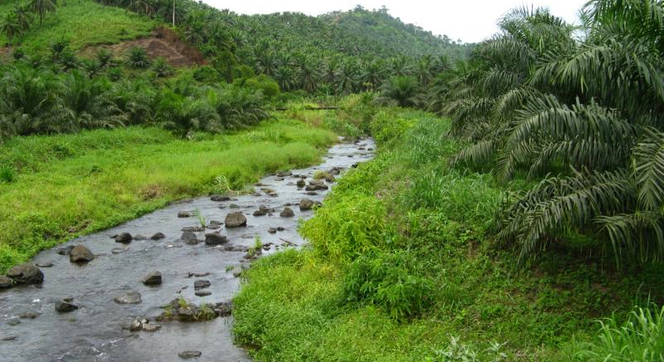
[394, 281]
[7, 174]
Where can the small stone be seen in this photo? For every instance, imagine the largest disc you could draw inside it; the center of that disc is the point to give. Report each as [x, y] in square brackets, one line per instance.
[158, 236]
[189, 238]
[152, 279]
[284, 174]
[131, 297]
[6, 282]
[151, 327]
[202, 293]
[272, 230]
[124, 238]
[66, 250]
[287, 212]
[202, 284]
[135, 326]
[14, 322]
[65, 306]
[235, 220]
[184, 214]
[9, 338]
[116, 251]
[28, 315]
[215, 223]
[80, 254]
[234, 206]
[312, 193]
[44, 265]
[193, 229]
[214, 239]
[220, 198]
[306, 204]
[190, 354]
[301, 183]
[26, 274]
[281, 228]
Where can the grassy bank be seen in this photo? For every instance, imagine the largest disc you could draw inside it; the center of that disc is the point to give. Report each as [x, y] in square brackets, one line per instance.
[400, 268]
[68, 185]
[81, 23]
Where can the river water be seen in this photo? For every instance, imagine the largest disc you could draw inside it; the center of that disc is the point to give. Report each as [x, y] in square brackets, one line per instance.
[95, 331]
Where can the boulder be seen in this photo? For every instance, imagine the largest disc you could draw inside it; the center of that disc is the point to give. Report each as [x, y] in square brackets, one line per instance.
[214, 239]
[65, 306]
[124, 238]
[235, 220]
[158, 236]
[306, 204]
[80, 254]
[301, 183]
[132, 297]
[136, 326]
[26, 274]
[5, 282]
[287, 212]
[152, 279]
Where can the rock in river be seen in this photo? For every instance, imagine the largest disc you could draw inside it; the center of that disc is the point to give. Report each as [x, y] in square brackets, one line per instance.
[157, 236]
[26, 274]
[306, 204]
[5, 282]
[124, 238]
[189, 238]
[214, 239]
[80, 254]
[202, 284]
[190, 354]
[65, 306]
[131, 297]
[235, 220]
[152, 279]
[287, 212]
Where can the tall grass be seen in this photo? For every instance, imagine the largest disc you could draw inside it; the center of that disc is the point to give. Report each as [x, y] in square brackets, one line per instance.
[71, 185]
[639, 339]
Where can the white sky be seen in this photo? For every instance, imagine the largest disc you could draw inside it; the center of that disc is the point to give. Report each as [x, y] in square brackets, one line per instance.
[468, 20]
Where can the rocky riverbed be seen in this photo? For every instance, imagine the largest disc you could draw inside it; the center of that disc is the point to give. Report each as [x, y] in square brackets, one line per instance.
[158, 288]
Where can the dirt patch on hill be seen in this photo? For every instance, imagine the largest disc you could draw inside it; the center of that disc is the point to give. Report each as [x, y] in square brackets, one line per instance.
[162, 43]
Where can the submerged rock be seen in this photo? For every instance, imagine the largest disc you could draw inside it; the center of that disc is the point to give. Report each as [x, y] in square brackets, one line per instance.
[189, 238]
[140, 237]
[184, 214]
[26, 274]
[220, 198]
[152, 279]
[235, 220]
[66, 250]
[65, 306]
[132, 297]
[202, 284]
[6, 282]
[124, 238]
[190, 354]
[214, 239]
[80, 254]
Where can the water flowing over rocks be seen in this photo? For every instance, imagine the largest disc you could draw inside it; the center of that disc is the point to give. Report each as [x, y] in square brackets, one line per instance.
[199, 269]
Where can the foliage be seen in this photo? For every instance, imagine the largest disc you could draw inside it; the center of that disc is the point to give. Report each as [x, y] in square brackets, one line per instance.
[639, 339]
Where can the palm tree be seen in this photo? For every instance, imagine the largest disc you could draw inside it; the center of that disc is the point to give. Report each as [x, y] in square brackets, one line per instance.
[41, 7]
[401, 91]
[10, 26]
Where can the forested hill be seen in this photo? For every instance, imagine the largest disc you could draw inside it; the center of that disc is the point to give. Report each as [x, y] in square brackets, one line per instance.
[392, 36]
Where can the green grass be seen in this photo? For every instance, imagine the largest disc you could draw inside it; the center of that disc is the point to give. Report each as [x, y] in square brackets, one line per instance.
[82, 23]
[400, 268]
[69, 185]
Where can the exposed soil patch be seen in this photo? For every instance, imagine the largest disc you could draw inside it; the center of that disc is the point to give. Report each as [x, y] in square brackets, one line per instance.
[162, 43]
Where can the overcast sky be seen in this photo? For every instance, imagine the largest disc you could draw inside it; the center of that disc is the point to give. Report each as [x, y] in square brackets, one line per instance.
[468, 20]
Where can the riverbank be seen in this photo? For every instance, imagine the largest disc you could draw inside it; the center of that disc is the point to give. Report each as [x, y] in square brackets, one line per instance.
[401, 268]
[57, 188]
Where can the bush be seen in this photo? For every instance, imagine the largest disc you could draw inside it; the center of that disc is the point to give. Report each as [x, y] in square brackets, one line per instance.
[347, 228]
[265, 84]
[394, 281]
[7, 174]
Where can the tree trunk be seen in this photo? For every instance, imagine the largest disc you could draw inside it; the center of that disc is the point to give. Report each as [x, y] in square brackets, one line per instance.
[173, 12]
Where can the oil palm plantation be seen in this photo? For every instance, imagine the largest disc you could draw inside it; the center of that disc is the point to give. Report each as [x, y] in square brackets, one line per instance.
[584, 117]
